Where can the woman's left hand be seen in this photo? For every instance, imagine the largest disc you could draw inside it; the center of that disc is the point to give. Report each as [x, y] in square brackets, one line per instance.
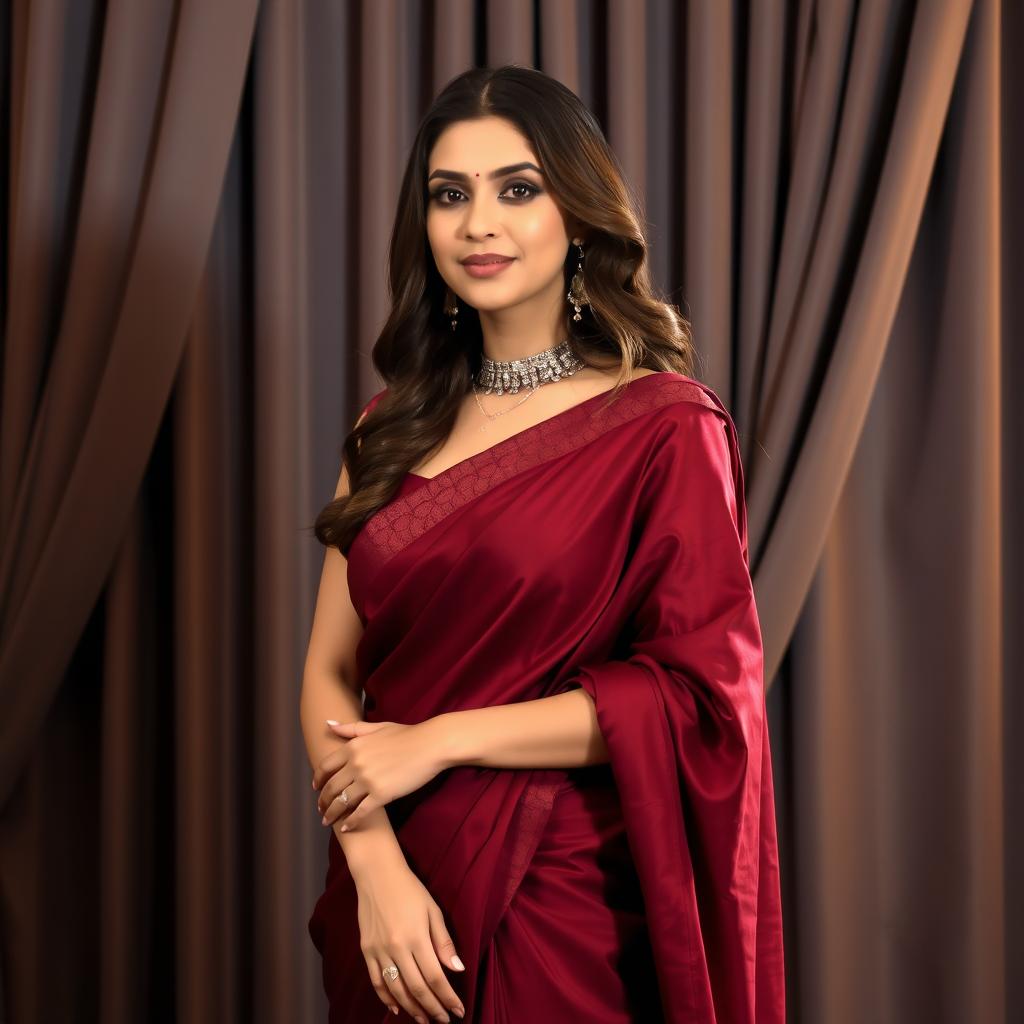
[381, 762]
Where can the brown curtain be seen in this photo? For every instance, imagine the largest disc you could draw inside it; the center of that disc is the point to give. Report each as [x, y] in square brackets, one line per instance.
[198, 207]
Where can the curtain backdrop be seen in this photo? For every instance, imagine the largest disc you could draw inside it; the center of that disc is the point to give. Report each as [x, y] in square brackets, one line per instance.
[198, 202]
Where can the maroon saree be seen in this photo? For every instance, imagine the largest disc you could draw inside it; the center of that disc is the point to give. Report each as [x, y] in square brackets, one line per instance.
[604, 547]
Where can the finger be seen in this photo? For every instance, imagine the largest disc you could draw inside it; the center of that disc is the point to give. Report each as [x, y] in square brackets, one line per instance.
[345, 729]
[377, 980]
[444, 945]
[401, 994]
[434, 976]
[328, 765]
[417, 985]
[359, 810]
[333, 787]
[338, 808]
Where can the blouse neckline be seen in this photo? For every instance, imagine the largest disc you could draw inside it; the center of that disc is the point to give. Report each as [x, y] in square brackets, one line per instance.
[512, 438]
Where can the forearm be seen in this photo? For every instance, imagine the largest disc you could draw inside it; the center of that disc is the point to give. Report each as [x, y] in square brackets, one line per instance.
[327, 696]
[551, 732]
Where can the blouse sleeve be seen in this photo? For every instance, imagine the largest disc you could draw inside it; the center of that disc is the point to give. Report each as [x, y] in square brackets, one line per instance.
[684, 720]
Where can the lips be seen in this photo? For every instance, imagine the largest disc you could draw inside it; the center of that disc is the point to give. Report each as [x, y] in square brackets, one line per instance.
[483, 259]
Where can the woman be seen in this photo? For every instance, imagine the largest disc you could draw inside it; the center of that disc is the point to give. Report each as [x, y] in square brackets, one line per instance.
[537, 576]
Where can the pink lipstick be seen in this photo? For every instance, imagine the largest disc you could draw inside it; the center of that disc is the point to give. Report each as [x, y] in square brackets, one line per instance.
[486, 264]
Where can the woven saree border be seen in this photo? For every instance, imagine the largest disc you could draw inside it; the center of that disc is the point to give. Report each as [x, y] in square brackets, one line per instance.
[409, 516]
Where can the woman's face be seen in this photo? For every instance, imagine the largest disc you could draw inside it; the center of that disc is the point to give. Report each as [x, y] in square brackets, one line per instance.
[469, 212]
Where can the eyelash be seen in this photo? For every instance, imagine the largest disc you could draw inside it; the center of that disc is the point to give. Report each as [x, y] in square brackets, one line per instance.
[438, 192]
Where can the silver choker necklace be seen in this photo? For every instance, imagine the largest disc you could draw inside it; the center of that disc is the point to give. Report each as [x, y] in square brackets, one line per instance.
[529, 372]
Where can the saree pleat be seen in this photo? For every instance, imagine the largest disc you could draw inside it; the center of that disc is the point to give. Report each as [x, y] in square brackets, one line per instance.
[581, 881]
[602, 548]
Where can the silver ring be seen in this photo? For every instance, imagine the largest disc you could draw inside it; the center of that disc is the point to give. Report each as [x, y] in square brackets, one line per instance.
[344, 796]
[390, 972]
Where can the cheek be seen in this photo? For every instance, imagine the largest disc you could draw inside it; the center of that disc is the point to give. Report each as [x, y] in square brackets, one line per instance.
[541, 225]
[433, 235]
[441, 248]
[541, 235]
[544, 245]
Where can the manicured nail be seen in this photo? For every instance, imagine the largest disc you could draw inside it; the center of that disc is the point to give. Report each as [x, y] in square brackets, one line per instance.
[457, 964]
[420, 1019]
[344, 828]
[458, 1011]
[331, 721]
[394, 1010]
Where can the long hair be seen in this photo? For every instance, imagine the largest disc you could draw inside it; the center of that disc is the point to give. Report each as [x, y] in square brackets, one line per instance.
[427, 367]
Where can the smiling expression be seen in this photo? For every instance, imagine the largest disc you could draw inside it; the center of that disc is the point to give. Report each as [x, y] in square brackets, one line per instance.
[487, 194]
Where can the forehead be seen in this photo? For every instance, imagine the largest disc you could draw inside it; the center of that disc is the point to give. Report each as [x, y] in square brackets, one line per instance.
[479, 146]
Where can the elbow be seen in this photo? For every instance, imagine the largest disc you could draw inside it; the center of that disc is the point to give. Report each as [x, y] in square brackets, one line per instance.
[322, 688]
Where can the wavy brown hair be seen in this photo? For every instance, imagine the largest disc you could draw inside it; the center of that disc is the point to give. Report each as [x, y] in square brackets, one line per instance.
[426, 366]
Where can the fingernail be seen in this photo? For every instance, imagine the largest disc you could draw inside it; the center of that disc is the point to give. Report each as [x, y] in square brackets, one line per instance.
[331, 721]
[443, 1017]
[313, 783]
[457, 964]
[458, 1011]
[344, 828]
[394, 1010]
[420, 1019]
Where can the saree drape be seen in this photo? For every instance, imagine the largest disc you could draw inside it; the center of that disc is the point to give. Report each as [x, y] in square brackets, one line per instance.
[603, 548]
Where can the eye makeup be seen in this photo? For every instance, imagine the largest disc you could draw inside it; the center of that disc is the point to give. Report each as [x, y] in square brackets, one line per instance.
[533, 190]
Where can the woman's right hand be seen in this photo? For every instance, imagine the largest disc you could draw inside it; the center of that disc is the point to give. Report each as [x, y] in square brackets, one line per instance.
[401, 924]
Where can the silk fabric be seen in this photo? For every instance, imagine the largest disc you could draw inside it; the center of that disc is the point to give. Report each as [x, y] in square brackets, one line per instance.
[602, 548]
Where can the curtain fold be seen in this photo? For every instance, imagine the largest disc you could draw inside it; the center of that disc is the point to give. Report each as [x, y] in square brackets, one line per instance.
[897, 674]
[119, 338]
[122, 116]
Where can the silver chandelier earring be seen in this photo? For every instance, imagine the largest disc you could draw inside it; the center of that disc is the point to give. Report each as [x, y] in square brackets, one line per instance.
[451, 307]
[577, 293]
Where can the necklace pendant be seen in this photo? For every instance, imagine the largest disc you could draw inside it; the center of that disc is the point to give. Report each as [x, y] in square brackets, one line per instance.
[528, 373]
[510, 376]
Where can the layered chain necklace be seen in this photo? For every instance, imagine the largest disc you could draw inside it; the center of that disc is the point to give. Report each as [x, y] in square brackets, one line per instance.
[529, 372]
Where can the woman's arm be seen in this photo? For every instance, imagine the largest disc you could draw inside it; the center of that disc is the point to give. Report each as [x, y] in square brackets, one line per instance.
[327, 693]
[551, 732]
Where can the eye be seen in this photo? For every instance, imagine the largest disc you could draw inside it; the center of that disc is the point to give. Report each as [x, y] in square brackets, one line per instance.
[439, 193]
[531, 190]
[444, 190]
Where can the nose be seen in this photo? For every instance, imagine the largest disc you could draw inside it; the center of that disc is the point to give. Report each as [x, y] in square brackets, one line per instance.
[481, 215]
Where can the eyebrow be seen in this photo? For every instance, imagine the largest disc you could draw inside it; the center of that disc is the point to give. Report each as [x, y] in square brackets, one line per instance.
[499, 173]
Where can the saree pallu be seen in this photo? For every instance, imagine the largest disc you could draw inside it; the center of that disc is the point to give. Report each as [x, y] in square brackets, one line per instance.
[602, 548]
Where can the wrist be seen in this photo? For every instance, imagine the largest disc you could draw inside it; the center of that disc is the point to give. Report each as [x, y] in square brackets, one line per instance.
[452, 742]
[364, 849]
